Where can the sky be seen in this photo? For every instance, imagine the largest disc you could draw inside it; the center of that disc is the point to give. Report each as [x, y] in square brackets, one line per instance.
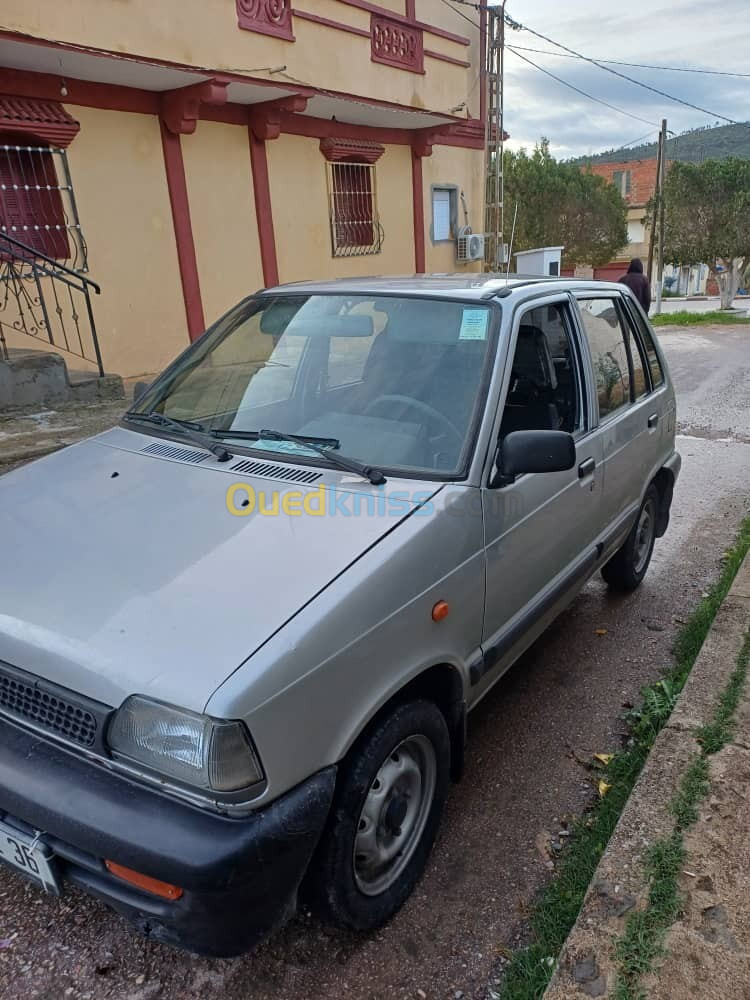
[693, 34]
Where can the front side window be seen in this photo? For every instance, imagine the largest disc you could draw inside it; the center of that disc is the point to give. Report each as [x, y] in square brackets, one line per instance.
[355, 226]
[544, 390]
[609, 353]
[392, 381]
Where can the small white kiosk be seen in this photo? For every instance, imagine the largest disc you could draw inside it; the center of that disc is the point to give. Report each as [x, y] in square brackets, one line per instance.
[545, 262]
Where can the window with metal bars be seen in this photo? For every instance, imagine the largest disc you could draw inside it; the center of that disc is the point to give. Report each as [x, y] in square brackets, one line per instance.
[37, 204]
[355, 226]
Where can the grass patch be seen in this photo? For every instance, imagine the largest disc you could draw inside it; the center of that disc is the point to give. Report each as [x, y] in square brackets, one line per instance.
[686, 318]
[529, 970]
[643, 939]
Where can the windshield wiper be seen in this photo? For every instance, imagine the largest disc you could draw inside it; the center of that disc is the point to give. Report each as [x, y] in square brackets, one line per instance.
[321, 445]
[195, 432]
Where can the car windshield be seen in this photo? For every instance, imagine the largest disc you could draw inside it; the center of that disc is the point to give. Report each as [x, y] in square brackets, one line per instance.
[393, 382]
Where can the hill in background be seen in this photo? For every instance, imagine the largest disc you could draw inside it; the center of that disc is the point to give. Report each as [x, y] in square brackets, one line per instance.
[695, 146]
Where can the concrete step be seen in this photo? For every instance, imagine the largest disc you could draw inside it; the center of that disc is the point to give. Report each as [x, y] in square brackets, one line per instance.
[30, 378]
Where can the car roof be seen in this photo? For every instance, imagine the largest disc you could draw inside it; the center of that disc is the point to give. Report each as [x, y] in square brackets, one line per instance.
[471, 285]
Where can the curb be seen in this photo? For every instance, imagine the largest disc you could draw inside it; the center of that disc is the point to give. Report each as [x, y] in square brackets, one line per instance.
[586, 965]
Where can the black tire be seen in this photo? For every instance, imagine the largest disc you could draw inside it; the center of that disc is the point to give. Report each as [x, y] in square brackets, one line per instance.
[333, 884]
[628, 566]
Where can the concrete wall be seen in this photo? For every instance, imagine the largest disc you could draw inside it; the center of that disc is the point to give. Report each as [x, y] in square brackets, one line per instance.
[117, 167]
[449, 165]
[222, 210]
[299, 195]
[200, 33]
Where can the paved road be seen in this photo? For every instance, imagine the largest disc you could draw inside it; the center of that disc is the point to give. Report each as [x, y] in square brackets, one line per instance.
[560, 704]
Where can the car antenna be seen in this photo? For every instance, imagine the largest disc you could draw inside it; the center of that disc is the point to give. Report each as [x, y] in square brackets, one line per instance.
[510, 245]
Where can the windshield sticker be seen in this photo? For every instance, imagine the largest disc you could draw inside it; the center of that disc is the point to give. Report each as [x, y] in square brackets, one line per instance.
[474, 324]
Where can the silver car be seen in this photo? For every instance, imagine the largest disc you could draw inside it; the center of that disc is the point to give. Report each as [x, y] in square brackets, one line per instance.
[240, 633]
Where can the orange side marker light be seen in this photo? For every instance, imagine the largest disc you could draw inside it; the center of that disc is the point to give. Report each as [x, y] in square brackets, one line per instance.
[440, 611]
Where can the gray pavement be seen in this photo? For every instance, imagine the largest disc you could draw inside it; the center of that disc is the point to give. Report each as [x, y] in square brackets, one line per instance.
[528, 744]
[710, 304]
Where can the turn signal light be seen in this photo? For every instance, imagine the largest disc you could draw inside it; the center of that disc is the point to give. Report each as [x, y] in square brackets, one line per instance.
[145, 882]
[440, 611]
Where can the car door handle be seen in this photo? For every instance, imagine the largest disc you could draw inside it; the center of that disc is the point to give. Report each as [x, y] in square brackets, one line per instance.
[653, 420]
[586, 468]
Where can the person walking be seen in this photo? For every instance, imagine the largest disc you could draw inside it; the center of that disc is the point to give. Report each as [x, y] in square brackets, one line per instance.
[638, 284]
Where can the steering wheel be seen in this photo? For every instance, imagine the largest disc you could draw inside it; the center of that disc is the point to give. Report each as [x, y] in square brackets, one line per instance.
[424, 408]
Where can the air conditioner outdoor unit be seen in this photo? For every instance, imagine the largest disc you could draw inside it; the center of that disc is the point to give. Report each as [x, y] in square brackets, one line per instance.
[469, 246]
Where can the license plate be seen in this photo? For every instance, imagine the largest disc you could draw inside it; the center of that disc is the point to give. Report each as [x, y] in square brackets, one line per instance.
[28, 856]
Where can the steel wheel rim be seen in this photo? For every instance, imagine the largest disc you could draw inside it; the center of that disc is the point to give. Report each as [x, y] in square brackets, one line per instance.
[644, 535]
[394, 814]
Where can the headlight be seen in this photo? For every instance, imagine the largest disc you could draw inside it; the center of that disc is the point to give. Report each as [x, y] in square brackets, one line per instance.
[209, 754]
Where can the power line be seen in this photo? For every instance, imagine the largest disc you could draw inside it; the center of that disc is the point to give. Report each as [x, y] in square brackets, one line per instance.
[517, 26]
[578, 90]
[460, 13]
[618, 62]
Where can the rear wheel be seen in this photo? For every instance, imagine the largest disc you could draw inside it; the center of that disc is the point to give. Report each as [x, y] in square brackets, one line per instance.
[629, 564]
[389, 800]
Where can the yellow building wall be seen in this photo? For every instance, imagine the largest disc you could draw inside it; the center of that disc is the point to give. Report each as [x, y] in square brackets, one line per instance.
[200, 33]
[450, 165]
[222, 210]
[117, 169]
[299, 196]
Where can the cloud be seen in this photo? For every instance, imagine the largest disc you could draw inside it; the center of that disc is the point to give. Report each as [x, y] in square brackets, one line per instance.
[676, 34]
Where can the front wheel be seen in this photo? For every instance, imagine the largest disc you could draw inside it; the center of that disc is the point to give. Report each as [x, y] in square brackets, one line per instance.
[628, 565]
[389, 801]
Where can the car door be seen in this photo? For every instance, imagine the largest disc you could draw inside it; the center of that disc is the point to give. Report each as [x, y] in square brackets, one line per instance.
[540, 530]
[628, 414]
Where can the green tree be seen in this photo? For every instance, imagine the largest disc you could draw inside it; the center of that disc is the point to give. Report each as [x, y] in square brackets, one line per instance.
[707, 219]
[561, 205]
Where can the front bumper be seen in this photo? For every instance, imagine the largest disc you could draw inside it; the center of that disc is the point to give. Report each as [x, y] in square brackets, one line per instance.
[240, 876]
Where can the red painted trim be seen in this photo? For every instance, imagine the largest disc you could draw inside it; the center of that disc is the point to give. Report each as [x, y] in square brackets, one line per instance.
[113, 97]
[183, 231]
[338, 25]
[417, 191]
[396, 44]
[411, 9]
[263, 210]
[260, 17]
[81, 92]
[227, 114]
[448, 59]
[432, 29]
[338, 150]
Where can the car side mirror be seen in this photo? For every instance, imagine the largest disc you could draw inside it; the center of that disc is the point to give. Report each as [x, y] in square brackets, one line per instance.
[532, 451]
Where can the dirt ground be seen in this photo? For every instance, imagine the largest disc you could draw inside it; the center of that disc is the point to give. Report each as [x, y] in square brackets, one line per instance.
[528, 745]
[708, 949]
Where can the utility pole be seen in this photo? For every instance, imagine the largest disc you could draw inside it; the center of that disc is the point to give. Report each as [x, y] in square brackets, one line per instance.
[652, 232]
[662, 179]
[494, 213]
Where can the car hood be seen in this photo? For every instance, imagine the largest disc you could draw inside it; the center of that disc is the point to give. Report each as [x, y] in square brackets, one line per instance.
[124, 572]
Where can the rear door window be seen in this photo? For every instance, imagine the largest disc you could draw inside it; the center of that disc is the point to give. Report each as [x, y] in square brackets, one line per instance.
[609, 353]
[638, 360]
[647, 339]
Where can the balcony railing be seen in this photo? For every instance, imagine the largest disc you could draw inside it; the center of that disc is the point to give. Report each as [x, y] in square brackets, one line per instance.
[41, 298]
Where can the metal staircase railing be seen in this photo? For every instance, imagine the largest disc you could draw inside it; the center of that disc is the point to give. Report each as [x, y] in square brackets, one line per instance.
[44, 299]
